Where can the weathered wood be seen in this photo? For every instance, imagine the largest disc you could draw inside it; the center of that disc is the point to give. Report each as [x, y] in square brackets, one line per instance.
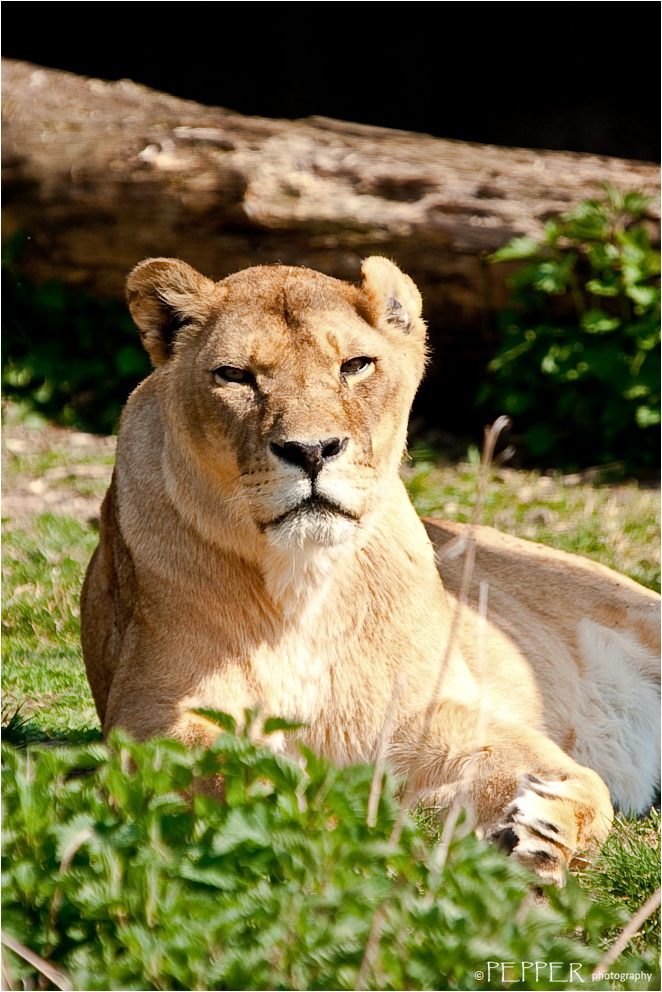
[101, 175]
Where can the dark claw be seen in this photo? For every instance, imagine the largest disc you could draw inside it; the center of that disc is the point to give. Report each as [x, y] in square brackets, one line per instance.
[507, 840]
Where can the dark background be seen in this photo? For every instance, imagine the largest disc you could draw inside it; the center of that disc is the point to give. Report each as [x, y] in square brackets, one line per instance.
[564, 76]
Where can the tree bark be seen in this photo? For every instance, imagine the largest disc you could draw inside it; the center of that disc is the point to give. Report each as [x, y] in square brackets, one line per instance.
[101, 175]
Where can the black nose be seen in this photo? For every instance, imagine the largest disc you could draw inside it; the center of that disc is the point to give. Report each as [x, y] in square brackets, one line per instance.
[310, 457]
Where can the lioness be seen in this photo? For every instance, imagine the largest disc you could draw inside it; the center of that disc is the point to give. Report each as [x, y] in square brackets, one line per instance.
[258, 549]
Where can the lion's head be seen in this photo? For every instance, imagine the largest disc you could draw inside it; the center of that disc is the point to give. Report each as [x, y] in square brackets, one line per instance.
[289, 389]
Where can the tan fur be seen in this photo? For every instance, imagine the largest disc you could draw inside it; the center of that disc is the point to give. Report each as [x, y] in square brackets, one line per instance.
[223, 579]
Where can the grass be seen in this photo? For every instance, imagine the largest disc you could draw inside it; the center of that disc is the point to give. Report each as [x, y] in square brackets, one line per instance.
[57, 465]
[46, 695]
[627, 871]
[43, 674]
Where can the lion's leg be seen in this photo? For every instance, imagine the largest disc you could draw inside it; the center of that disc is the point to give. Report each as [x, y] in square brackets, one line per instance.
[188, 727]
[519, 788]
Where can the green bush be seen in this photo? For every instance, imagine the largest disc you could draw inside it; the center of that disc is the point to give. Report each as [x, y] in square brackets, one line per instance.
[70, 357]
[578, 367]
[120, 874]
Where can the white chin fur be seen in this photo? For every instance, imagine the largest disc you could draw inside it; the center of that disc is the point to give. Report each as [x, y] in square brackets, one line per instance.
[322, 529]
[304, 550]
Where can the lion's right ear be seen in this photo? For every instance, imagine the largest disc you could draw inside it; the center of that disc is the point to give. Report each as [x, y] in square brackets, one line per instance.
[163, 295]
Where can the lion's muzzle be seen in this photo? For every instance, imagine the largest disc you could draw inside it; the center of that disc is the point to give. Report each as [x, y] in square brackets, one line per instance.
[314, 506]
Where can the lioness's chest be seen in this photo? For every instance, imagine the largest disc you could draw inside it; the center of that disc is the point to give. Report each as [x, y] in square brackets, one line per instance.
[326, 691]
[294, 678]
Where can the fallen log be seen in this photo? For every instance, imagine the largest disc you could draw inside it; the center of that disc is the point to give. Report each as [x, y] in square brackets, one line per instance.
[101, 175]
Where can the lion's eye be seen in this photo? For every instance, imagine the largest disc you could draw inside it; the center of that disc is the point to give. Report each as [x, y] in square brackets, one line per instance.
[355, 365]
[229, 373]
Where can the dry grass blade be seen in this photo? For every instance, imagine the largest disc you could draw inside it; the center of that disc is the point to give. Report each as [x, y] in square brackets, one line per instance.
[492, 434]
[380, 764]
[440, 854]
[7, 981]
[45, 968]
[371, 948]
[491, 437]
[626, 935]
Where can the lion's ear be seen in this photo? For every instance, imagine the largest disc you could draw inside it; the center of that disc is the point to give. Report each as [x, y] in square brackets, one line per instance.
[395, 294]
[164, 294]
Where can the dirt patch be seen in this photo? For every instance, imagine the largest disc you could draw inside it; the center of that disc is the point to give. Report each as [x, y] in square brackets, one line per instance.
[53, 469]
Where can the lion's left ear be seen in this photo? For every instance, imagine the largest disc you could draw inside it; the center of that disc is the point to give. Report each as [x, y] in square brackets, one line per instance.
[395, 294]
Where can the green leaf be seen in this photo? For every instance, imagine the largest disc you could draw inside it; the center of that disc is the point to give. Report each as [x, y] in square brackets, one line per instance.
[75, 832]
[636, 392]
[553, 276]
[518, 248]
[615, 197]
[216, 876]
[242, 826]
[274, 723]
[647, 416]
[598, 322]
[602, 256]
[636, 204]
[553, 231]
[645, 296]
[223, 720]
[587, 222]
[604, 287]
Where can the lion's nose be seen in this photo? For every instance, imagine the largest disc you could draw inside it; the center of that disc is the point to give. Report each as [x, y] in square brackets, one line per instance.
[310, 457]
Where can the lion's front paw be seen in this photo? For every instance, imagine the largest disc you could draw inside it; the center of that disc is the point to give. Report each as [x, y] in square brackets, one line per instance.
[539, 828]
